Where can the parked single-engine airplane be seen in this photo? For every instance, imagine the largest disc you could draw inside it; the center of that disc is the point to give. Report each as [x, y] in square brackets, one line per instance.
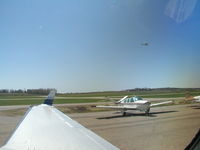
[46, 128]
[134, 103]
[195, 98]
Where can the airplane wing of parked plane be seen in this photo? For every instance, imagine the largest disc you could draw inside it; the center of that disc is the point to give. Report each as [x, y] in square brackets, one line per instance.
[112, 107]
[132, 107]
[162, 103]
[46, 128]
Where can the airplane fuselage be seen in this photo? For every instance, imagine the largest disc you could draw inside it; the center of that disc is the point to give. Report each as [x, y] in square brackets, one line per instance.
[141, 105]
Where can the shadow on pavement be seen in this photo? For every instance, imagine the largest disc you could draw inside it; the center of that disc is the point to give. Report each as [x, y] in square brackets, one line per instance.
[195, 106]
[151, 114]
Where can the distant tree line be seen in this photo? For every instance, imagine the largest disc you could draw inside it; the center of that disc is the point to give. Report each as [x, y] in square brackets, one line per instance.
[163, 89]
[139, 89]
[40, 91]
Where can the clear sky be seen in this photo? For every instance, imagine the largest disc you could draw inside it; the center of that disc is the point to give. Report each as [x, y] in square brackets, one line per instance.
[96, 45]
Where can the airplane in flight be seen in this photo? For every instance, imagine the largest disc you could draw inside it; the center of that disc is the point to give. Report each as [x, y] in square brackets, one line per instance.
[133, 103]
[44, 127]
[145, 44]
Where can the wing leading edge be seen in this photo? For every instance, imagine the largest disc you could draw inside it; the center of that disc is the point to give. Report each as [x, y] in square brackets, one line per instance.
[46, 128]
[131, 107]
[126, 107]
[162, 103]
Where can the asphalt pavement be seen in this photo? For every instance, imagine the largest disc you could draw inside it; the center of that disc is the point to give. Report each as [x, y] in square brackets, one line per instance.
[166, 128]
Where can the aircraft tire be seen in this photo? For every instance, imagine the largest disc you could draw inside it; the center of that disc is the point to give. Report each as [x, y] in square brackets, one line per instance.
[147, 112]
[124, 113]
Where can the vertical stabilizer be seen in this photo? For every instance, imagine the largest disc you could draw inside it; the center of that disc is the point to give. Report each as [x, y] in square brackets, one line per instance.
[50, 98]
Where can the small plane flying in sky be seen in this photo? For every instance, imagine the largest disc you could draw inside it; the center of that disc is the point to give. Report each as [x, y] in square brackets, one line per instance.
[46, 128]
[145, 44]
[133, 103]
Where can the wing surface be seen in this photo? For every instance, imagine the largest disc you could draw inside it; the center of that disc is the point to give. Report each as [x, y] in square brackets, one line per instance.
[162, 103]
[46, 128]
[122, 99]
[124, 107]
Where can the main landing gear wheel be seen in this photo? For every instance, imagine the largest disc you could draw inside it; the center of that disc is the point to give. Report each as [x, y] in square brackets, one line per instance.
[124, 113]
[147, 112]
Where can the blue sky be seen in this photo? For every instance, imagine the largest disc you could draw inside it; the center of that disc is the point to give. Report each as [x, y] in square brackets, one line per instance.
[95, 45]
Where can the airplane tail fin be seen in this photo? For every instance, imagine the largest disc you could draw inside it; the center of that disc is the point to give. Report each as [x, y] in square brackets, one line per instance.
[121, 99]
[50, 98]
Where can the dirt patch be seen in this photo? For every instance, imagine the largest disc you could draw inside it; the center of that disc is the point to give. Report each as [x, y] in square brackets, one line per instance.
[13, 112]
[80, 109]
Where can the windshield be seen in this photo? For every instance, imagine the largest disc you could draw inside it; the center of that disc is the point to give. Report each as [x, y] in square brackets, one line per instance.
[132, 99]
[95, 54]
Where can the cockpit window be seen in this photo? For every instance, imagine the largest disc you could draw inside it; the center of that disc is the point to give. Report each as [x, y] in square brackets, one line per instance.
[132, 99]
[138, 98]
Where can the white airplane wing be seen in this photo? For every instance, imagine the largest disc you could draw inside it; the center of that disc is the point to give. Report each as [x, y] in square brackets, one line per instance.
[120, 107]
[122, 99]
[162, 103]
[130, 107]
[46, 128]
[112, 107]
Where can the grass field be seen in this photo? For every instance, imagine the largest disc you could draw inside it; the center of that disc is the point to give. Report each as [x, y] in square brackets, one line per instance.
[36, 101]
[26, 99]
[157, 93]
